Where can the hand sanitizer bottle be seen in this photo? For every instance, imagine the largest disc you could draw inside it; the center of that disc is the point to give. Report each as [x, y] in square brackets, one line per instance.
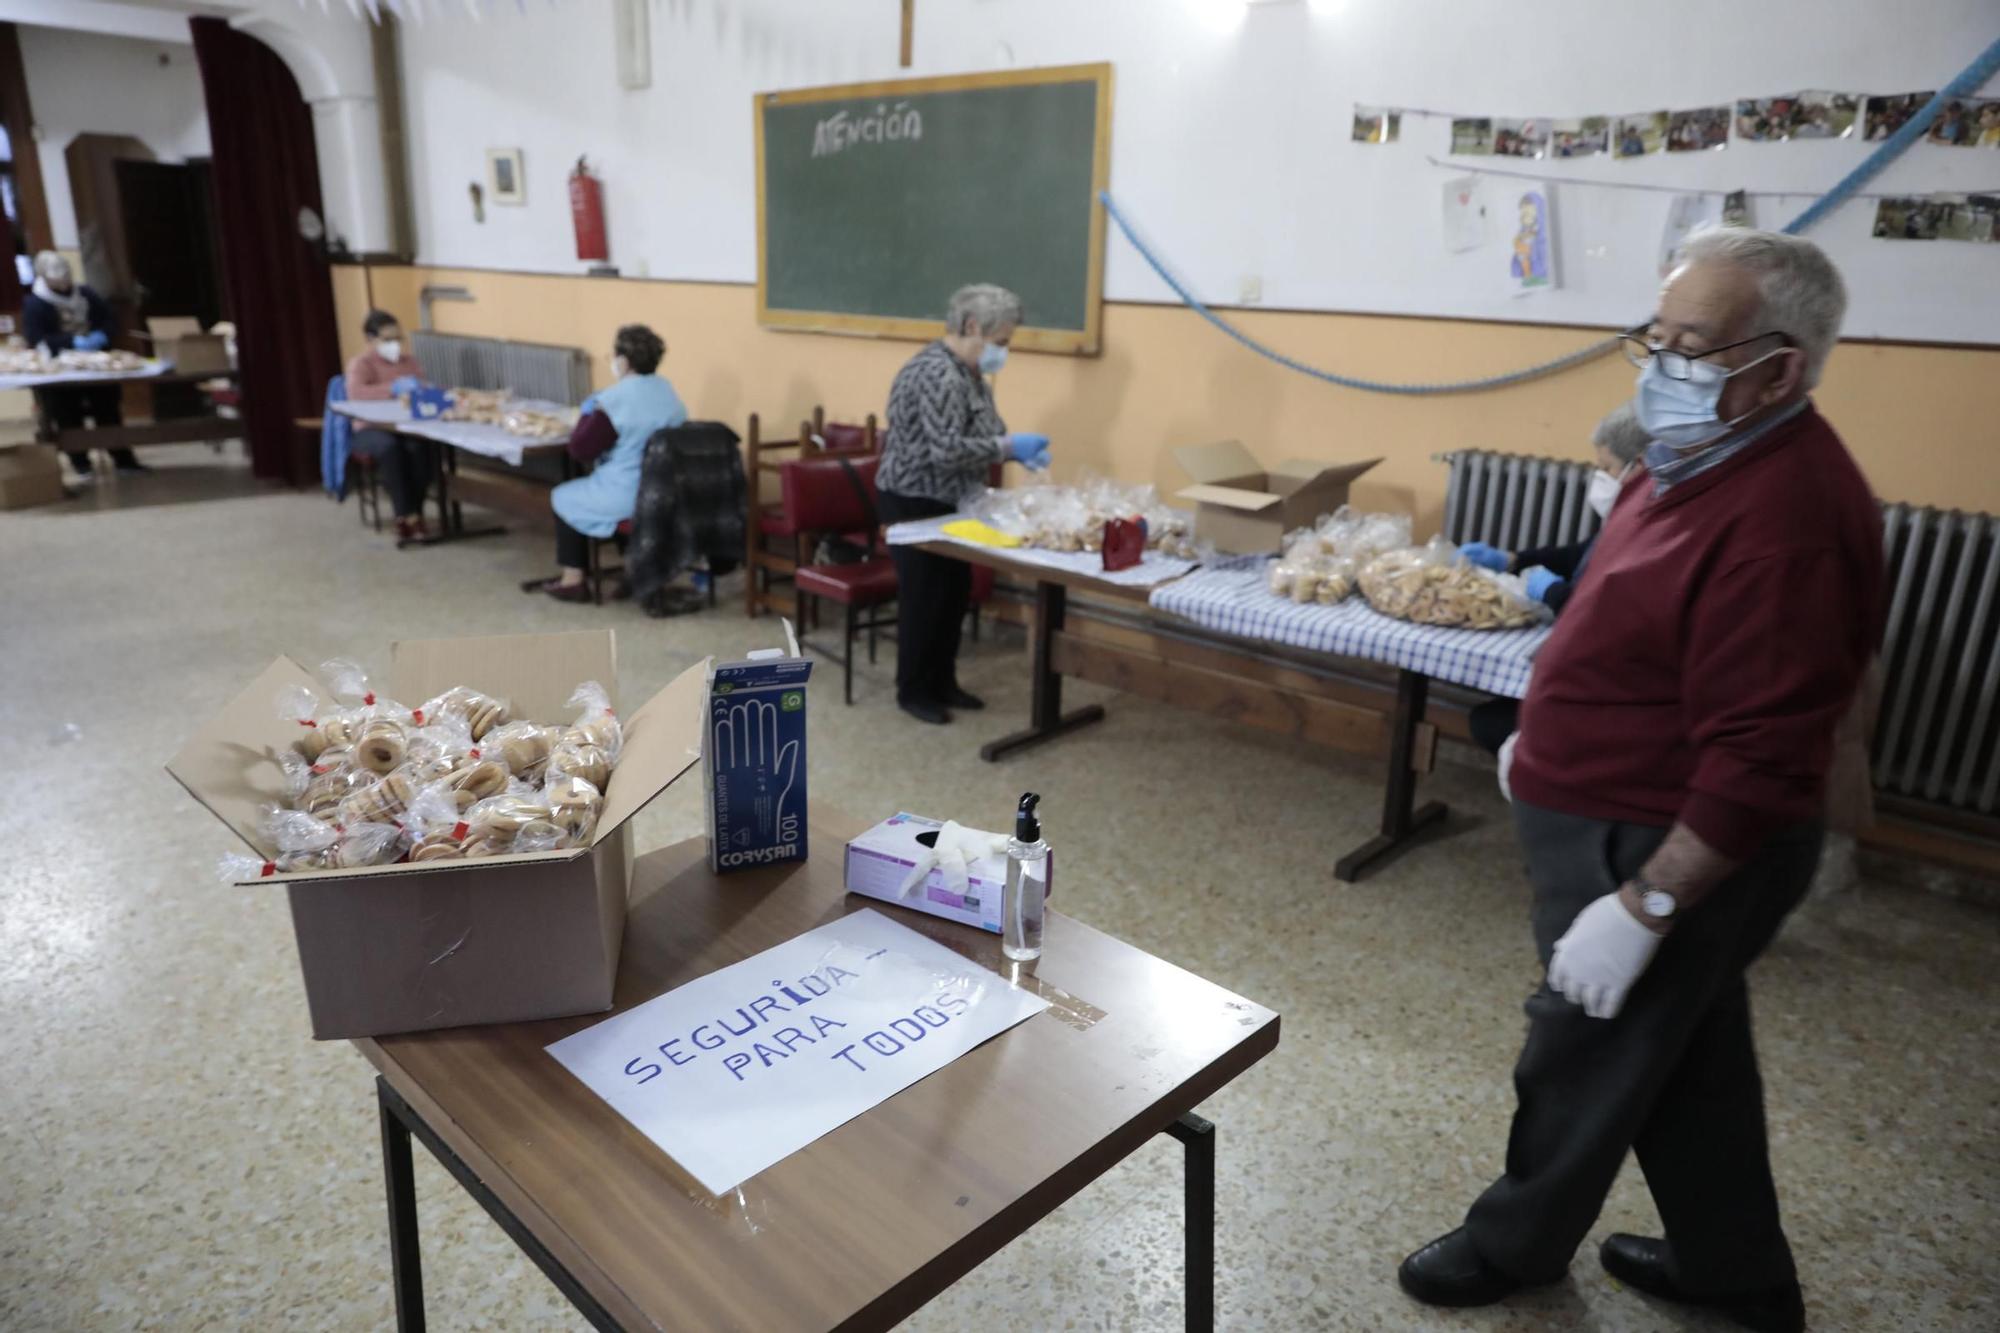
[1027, 885]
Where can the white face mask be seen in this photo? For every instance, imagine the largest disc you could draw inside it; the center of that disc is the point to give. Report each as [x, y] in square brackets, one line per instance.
[1602, 492]
[391, 349]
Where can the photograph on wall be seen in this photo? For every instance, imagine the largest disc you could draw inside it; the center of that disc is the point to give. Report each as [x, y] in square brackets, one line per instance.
[1464, 215]
[1765, 119]
[504, 180]
[1520, 138]
[1377, 124]
[1736, 209]
[1701, 128]
[1823, 115]
[1686, 215]
[1985, 224]
[1472, 135]
[1883, 116]
[1906, 218]
[1637, 135]
[1585, 136]
[1531, 266]
[1966, 123]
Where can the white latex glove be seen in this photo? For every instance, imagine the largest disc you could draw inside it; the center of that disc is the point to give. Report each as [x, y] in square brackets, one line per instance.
[1600, 956]
[1507, 763]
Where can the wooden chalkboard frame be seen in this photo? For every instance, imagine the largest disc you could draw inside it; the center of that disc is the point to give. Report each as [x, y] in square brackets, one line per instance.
[1086, 342]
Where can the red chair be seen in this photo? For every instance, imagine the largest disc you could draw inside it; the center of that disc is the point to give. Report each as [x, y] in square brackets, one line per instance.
[838, 495]
[775, 543]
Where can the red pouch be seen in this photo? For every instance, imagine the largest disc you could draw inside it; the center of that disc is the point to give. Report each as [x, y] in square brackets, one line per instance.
[1124, 542]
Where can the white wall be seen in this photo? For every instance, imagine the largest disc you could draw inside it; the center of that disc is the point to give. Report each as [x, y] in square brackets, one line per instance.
[1230, 135]
[90, 83]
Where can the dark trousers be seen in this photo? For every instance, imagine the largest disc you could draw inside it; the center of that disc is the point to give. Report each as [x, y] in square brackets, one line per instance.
[1492, 721]
[933, 593]
[405, 465]
[572, 547]
[1673, 1077]
[67, 408]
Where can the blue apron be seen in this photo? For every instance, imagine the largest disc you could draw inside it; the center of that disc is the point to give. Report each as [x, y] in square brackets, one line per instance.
[638, 405]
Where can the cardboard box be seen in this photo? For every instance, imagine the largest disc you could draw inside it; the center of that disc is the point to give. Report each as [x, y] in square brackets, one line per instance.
[881, 859]
[1244, 507]
[402, 948]
[754, 758]
[179, 339]
[29, 475]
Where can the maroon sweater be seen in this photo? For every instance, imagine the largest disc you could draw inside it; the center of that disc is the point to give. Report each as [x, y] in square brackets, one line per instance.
[1712, 644]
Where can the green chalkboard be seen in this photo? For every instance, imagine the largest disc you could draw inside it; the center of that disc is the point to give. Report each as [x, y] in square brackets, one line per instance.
[876, 201]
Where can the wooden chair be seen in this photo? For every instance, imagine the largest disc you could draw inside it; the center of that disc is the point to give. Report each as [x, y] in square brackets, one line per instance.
[774, 543]
[838, 495]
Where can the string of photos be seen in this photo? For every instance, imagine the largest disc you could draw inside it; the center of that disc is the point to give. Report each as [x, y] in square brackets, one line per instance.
[1961, 122]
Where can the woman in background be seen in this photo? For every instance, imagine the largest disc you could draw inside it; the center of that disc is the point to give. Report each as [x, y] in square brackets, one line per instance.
[612, 432]
[384, 371]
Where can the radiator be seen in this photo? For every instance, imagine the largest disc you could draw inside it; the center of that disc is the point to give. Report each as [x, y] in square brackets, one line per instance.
[529, 370]
[1937, 736]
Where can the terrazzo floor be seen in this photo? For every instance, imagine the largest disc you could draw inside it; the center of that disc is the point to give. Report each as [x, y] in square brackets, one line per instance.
[176, 1153]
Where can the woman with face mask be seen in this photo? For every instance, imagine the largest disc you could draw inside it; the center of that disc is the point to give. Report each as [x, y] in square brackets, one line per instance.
[611, 433]
[62, 315]
[388, 369]
[1551, 572]
[945, 436]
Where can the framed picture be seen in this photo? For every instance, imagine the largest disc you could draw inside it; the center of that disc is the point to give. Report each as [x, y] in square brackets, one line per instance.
[504, 182]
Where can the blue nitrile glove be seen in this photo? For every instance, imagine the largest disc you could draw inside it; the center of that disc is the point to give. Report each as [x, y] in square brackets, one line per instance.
[588, 406]
[1028, 447]
[94, 341]
[405, 384]
[1486, 557]
[1540, 581]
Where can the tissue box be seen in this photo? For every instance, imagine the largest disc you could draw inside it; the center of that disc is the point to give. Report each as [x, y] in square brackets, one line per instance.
[881, 859]
[428, 402]
[754, 758]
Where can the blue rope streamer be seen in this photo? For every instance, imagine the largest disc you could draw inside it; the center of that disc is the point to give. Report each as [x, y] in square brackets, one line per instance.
[1970, 80]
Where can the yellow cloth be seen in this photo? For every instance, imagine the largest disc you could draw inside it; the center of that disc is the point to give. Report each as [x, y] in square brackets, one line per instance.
[972, 530]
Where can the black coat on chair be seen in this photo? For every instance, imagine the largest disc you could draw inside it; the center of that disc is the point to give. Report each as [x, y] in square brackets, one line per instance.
[691, 507]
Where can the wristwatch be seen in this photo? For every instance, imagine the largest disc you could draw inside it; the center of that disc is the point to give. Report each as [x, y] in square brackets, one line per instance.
[1656, 902]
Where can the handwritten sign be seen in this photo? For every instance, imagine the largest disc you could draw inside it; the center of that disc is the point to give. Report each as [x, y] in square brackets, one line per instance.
[744, 1067]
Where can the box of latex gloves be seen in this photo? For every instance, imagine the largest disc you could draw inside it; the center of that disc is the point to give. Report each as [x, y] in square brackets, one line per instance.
[942, 868]
[754, 758]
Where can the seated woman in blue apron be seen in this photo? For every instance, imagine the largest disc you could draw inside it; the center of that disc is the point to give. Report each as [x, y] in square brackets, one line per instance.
[614, 429]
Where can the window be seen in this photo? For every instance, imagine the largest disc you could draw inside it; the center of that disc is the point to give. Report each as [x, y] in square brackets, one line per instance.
[10, 202]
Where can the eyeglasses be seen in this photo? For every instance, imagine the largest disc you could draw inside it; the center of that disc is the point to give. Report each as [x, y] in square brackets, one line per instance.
[1680, 365]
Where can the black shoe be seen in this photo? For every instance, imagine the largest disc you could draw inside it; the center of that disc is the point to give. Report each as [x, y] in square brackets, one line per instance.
[961, 699]
[1647, 1265]
[923, 710]
[1449, 1271]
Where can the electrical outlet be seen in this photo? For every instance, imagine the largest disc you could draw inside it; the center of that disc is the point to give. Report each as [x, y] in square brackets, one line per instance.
[1251, 290]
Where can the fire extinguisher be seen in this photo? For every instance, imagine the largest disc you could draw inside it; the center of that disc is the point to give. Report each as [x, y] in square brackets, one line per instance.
[586, 210]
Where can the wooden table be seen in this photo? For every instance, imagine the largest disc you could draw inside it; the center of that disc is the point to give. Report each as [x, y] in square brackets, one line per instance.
[1293, 692]
[497, 490]
[858, 1230]
[174, 430]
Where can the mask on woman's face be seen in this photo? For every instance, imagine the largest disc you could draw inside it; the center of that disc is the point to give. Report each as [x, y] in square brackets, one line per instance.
[992, 357]
[1602, 492]
[391, 349]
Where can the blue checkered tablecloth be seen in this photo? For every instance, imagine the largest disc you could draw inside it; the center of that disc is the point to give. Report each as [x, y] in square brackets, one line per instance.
[1233, 597]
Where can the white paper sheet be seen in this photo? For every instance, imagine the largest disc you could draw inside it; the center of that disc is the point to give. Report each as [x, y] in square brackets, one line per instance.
[742, 1068]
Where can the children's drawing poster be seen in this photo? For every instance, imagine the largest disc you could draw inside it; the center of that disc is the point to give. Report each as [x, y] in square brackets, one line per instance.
[1464, 215]
[1531, 261]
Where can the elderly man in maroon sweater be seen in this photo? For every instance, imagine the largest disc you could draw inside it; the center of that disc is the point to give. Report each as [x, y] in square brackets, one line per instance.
[1667, 781]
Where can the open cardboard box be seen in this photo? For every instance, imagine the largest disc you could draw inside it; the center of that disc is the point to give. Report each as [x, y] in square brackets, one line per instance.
[400, 948]
[179, 339]
[29, 475]
[1243, 507]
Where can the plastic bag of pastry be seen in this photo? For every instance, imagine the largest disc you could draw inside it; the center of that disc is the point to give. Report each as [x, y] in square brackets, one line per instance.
[351, 684]
[367, 845]
[440, 748]
[291, 832]
[1434, 585]
[480, 712]
[1279, 574]
[574, 804]
[1336, 581]
[382, 801]
[297, 703]
[543, 835]
[434, 825]
[491, 824]
[235, 867]
[477, 780]
[577, 758]
[381, 744]
[522, 746]
[595, 722]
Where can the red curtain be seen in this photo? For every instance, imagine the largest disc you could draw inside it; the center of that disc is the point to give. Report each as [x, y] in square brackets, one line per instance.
[275, 281]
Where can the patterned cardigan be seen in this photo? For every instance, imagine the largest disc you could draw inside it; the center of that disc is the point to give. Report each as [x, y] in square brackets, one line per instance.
[944, 432]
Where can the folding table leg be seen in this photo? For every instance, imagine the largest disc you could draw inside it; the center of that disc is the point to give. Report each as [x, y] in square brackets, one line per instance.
[1198, 1136]
[1046, 719]
[405, 1259]
[847, 656]
[1400, 822]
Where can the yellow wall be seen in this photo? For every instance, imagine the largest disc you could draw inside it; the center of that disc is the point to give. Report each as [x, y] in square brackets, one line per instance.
[1921, 420]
